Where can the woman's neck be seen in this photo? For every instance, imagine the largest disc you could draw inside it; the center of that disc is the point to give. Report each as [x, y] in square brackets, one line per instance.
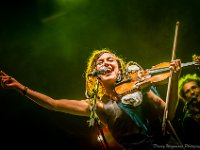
[112, 94]
[110, 91]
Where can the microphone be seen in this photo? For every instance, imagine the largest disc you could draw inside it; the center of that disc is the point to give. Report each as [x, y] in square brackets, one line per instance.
[191, 101]
[193, 98]
[102, 71]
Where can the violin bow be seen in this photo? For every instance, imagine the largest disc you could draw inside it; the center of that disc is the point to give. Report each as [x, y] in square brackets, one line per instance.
[166, 111]
[172, 109]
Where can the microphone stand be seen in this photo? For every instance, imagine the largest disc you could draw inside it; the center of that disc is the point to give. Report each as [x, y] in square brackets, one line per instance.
[94, 119]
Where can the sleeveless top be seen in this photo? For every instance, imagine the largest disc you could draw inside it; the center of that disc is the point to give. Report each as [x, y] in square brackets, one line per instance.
[131, 134]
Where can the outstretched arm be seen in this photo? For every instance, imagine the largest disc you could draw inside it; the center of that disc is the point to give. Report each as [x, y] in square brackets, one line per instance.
[76, 107]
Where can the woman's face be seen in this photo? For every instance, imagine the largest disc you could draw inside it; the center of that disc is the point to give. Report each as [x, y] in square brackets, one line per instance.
[191, 89]
[109, 62]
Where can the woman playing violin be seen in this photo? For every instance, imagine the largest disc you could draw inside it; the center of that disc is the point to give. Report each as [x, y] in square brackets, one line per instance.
[134, 125]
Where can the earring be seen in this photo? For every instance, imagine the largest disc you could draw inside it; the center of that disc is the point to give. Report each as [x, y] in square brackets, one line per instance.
[119, 78]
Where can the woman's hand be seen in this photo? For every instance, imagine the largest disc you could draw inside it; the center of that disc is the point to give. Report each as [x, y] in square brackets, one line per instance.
[8, 81]
[175, 66]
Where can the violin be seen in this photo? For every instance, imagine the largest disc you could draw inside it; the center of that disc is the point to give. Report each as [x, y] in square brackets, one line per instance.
[158, 75]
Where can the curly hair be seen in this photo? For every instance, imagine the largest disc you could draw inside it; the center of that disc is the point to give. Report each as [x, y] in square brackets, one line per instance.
[185, 79]
[91, 81]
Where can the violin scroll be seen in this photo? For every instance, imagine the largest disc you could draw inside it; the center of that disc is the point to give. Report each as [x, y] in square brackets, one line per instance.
[196, 60]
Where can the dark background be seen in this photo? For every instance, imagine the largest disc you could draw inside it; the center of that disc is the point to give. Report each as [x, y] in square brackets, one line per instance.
[45, 45]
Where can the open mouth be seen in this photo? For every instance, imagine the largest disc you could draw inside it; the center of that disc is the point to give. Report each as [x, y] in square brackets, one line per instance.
[104, 70]
[108, 71]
